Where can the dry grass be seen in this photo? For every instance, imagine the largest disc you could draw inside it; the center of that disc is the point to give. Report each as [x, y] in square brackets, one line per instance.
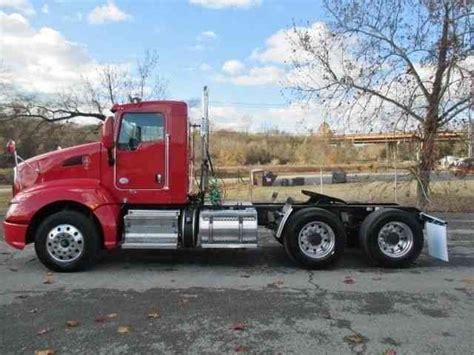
[454, 196]
[6, 176]
[5, 197]
[446, 195]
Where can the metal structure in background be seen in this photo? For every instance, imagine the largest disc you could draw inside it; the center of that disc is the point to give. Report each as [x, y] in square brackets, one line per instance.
[470, 134]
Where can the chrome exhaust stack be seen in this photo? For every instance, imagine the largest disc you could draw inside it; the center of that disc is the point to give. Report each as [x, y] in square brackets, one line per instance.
[205, 142]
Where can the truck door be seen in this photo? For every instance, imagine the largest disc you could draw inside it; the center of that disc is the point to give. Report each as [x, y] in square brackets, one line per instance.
[141, 152]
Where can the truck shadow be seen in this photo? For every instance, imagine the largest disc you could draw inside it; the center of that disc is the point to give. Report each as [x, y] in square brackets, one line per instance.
[268, 258]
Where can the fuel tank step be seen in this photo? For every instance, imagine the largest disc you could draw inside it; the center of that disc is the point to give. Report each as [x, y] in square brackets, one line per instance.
[151, 229]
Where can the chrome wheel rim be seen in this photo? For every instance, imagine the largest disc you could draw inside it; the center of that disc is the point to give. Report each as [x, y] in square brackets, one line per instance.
[395, 239]
[65, 243]
[317, 240]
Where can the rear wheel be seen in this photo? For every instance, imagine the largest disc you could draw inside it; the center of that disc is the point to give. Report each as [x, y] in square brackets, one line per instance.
[391, 237]
[314, 238]
[67, 241]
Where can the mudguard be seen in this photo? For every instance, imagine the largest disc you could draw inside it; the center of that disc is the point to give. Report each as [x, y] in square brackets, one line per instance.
[86, 192]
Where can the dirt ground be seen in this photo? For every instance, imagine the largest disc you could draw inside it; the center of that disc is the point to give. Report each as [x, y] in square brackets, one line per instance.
[241, 301]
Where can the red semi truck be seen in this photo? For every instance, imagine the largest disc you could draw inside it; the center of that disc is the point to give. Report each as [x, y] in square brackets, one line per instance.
[132, 190]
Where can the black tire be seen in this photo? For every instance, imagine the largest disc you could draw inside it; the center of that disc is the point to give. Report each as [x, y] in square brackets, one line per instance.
[300, 220]
[369, 233]
[91, 241]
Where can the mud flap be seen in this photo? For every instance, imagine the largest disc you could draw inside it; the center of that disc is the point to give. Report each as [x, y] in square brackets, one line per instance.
[436, 234]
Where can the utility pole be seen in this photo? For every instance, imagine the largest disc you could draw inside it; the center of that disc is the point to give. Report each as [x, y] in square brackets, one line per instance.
[470, 136]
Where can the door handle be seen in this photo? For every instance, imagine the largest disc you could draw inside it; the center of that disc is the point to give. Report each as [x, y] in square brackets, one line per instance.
[159, 178]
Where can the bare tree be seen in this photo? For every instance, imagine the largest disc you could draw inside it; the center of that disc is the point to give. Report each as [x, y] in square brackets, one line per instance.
[150, 84]
[94, 96]
[390, 63]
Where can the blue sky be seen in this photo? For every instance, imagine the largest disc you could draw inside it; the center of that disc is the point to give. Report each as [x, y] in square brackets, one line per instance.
[172, 27]
[194, 39]
[239, 48]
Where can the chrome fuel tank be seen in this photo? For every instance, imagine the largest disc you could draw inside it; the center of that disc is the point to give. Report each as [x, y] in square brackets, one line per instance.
[228, 228]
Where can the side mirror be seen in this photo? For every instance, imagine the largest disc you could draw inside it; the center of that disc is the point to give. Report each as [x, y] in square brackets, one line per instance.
[11, 147]
[108, 138]
[108, 133]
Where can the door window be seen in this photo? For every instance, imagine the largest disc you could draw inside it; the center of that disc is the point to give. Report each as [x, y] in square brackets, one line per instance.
[140, 127]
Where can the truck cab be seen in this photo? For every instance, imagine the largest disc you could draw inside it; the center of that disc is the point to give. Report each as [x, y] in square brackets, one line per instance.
[142, 159]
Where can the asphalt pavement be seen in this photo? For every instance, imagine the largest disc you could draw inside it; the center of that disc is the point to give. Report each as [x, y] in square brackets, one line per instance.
[240, 301]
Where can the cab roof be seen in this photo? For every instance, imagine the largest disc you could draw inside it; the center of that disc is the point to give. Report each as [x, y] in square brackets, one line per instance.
[145, 104]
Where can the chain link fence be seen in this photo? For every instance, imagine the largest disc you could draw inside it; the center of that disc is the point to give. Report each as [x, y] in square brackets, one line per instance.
[450, 189]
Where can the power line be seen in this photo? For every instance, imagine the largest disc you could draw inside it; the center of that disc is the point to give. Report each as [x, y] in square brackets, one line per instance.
[264, 104]
[249, 104]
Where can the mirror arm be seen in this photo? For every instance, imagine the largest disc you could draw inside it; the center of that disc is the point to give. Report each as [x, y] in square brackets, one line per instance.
[18, 158]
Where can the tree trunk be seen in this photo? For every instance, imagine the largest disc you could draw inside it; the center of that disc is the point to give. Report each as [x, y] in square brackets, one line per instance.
[427, 160]
[431, 123]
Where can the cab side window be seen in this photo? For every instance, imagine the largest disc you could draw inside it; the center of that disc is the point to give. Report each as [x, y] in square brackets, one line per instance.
[140, 127]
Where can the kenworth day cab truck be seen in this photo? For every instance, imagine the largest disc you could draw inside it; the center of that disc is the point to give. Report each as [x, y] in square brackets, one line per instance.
[133, 190]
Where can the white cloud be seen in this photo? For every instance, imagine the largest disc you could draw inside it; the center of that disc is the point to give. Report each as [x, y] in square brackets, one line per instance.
[233, 67]
[41, 60]
[266, 75]
[22, 6]
[204, 41]
[277, 49]
[108, 12]
[279, 46]
[274, 60]
[206, 36]
[294, 118]
[221, 4]
[224, 117]
[45, 9]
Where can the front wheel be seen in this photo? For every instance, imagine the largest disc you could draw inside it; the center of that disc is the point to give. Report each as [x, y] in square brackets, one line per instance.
[67, 241]
[314, 238]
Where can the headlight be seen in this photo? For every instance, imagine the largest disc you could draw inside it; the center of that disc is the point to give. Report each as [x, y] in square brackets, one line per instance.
[11, 210]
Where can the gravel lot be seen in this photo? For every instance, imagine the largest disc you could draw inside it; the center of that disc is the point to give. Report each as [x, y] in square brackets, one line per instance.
[240, 301]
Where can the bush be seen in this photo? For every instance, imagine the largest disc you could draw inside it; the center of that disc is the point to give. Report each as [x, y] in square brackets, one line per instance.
[257, 154]
[6, 176]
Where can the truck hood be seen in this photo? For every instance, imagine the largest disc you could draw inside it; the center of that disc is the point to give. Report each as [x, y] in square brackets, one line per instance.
[76, 162]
